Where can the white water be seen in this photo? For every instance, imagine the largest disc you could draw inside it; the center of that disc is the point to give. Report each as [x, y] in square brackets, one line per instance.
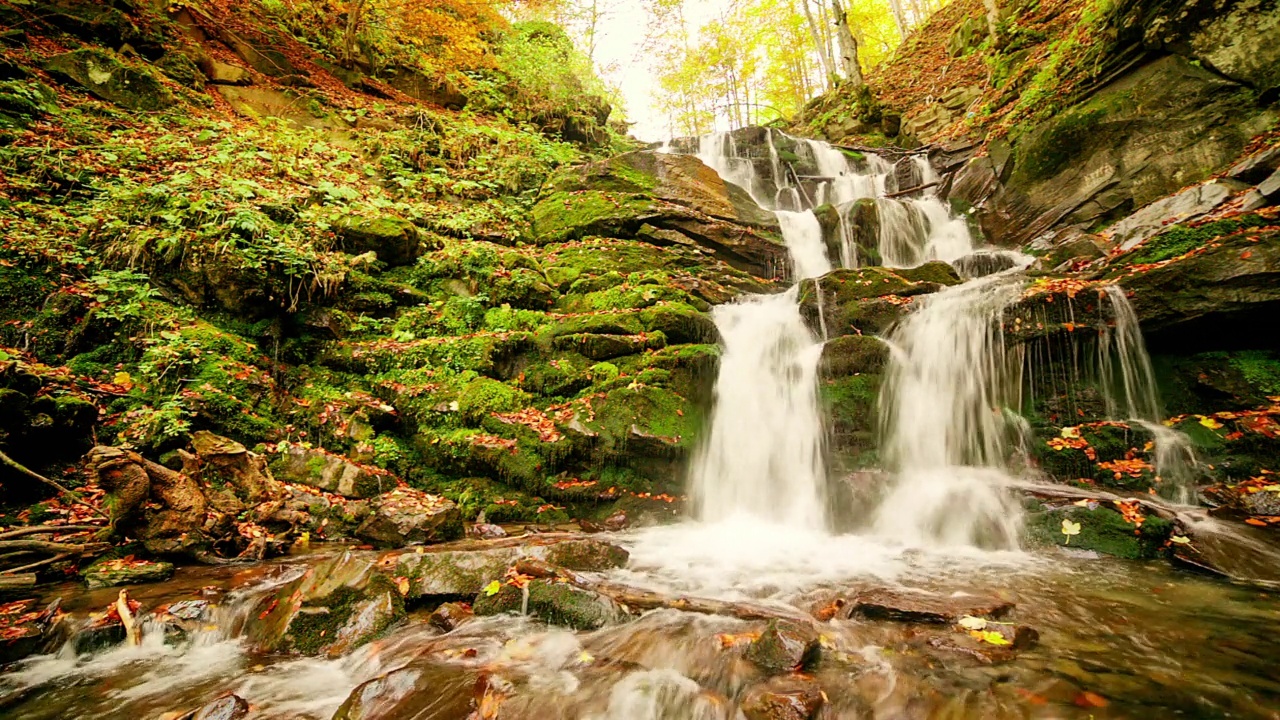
[946, 408]
[763, 455]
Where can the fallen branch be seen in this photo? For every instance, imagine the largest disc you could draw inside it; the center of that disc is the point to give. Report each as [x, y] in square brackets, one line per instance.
[917, 188]
[38, 564]
[641, 599]
[6, 460]
[52, 547]
[15, 582]
[50, 529]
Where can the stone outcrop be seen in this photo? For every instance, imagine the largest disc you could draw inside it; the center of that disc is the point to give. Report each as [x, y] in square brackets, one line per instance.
[110, 78]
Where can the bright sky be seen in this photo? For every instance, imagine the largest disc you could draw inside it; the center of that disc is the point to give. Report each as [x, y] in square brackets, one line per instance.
[618, 51]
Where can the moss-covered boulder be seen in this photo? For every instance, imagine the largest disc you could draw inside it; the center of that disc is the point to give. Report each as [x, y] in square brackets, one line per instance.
[396, 241]
[783, 647]
[125, 571]
[552, 602]
[865, 300]
[107, 77]
[464, 572]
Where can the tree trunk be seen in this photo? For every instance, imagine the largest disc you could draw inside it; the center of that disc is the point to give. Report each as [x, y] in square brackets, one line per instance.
[899, 17]
[848, 46]
[993, 21]
[828, 67]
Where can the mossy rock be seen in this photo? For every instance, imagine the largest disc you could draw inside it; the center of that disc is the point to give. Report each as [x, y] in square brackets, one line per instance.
[110, 573]
[396, 241]
[22, 101]
[608, 347]
[934, 271]
[1102, 530]
[1107, 443]
[586, 555]
[104, 75]
[554, 603]
[570, 216]
[853, 355]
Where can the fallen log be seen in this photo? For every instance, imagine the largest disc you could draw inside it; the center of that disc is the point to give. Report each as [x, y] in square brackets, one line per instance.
[53, 547]
[642, 599]
[48, 529]
[6, 460]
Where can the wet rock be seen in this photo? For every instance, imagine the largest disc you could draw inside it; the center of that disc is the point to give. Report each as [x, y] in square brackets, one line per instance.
[789, 697]
[607, 347]
[428, 692]
[1150, 220]
[615, 522]
[552, 602]
[110, 573]
[485, 531]
[26, 628]
[461, 573]
[784, 647]
[586, 555]
[106, 77]
[863, 301]
[907, 606]
[1102, 529]
[410, 517]
[449, 616]
[220, 460]
[327, 609]
[227, 707]
[330, 472]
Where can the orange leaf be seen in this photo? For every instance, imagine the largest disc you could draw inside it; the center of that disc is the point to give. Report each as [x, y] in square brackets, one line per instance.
[1089, 699]
[1246, 254]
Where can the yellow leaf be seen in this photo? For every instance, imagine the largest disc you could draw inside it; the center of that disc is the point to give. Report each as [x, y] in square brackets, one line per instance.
[1209, 422]
[1070, 432]
[1070, 528]
[991, 637]
[492, 588]
[1180, 539]
[969, 622]
[123, 379]
[585, 657]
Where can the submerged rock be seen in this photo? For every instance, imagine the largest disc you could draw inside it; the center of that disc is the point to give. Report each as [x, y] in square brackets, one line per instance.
[789, 697]
[227, 707]
[419, 691]
[449, 616]
[465, 572]
[907, 606]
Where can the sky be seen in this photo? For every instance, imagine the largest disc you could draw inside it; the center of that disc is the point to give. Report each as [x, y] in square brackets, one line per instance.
[621, 34]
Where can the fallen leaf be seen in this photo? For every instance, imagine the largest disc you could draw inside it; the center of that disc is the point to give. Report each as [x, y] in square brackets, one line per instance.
[969, 622]
[1069, 528]
[492, 588]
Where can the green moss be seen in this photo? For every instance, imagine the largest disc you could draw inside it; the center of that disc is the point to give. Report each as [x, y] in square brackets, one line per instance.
[1101, 529]
[483, 396]
[1182, 238]
[1051, 148]
[570, 216]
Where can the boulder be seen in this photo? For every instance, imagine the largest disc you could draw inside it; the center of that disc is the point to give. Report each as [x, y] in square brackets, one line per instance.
[788, 697]
[464, 572]
[396, 241]
[784, 647]
[220, 73]
[222, 461]
[552, 602]
[919, 607]
[107, 77]
[26, 629]
[927, 122]
[330, 472]
[450, 615]
[410, 517]
[1150, 220]
[1256, 167]
[1240, 44]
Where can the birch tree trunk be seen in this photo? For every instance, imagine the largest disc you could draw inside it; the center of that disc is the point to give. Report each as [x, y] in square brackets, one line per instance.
[848, 45]
[899, 17]
[825, 58]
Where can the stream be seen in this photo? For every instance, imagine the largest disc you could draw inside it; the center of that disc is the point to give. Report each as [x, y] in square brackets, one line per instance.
[1114, 638]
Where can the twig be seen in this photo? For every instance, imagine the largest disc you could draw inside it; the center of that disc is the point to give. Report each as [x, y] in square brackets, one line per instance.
[41, 529]
[6, 460]
[40, 563]
[51, 547]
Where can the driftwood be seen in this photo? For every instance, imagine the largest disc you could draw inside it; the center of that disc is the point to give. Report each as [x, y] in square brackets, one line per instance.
[641, 599]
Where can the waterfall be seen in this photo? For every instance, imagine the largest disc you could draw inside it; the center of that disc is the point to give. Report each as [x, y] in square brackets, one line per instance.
[763, 456]
[803, 236]
[947, 409]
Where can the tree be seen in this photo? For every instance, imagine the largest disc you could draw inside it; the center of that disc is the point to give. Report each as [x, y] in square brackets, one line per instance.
[848, 45]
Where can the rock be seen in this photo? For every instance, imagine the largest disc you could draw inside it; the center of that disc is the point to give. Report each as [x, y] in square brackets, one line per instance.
[432, 89]
[110, 573]
[1099, 159]
[862, 301]
[331, 473]
[1150, 220]
[1240, 44]
[586, 555]
[106, 77]
[410, 517]
[450, 615]
[220, 73]
[928, 122]
[607, 347]
[907, 606]
[1270, 188]
[1255, 168]
[183, 70]
[957, 99]
[784, 647]
[485, 531]
[330, 609]
[395, 240]
[26, 629]
[555, 603]
[418, 691]
[789, 697]
[463, 573]
[1228, 290]
[227, 707]
[220, 460]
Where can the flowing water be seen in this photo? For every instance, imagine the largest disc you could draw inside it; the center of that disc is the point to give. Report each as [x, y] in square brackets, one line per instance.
[1117, 639]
